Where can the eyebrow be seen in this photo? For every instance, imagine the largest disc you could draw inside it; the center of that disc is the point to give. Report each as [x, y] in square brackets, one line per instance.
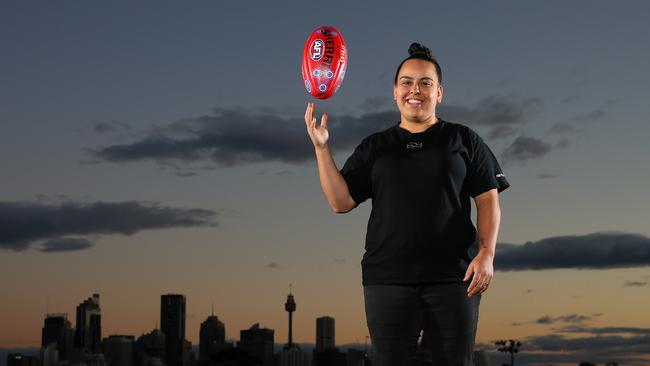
[408, 77]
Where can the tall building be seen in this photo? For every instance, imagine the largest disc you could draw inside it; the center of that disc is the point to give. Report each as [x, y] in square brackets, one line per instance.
[172, 324]
[324, 333]
[212, 337]
[118, 350]
[57, 330]
[88, 334]
[258, 342]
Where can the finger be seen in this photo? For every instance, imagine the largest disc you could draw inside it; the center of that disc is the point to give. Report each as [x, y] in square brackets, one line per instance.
[473, 284]
[307, 112]
[468, 273]
[323, 121]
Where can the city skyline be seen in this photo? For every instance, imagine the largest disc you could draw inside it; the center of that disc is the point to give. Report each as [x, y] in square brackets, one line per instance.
[157, 148]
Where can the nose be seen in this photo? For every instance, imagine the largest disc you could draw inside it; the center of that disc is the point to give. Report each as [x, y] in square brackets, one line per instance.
[415, 89]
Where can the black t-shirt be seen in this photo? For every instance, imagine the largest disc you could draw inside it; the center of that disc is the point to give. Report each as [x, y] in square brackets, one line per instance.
[420, 229]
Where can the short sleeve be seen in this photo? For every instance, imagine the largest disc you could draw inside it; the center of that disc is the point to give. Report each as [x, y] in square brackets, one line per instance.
[356, 173]
[484, 172]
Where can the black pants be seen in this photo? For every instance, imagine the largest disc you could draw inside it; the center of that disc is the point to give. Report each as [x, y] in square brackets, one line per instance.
[397, 313]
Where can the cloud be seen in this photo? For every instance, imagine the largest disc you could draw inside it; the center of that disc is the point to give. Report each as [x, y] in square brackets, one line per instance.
[625, 345]
[339, 260]
[108, 127]
[236, 136]
[524, 149]
[25, 224]
[272, 265]
[65, 244]
[547, 176]
[374, 104]
[592, 251]
[572, 318]
[595, 115]
[494, 111]
[634, 284]
[563, 128]
[500, 132]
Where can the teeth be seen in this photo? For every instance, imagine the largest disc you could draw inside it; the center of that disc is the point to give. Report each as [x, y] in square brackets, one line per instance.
[413, 101]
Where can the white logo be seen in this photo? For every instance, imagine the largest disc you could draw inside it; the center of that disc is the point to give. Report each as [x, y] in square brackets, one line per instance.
[500, 175]
[316, 49]
[412, 145]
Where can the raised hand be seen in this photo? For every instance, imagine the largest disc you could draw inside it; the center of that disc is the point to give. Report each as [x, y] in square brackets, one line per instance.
[318, 134]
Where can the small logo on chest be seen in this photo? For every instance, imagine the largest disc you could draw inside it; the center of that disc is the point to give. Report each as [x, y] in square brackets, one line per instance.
[413, 145]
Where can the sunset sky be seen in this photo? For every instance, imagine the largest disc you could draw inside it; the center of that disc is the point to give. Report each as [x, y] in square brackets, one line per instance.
[158, 147]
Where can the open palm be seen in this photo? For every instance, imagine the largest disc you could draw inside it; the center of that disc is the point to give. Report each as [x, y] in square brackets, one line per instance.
[318, 134]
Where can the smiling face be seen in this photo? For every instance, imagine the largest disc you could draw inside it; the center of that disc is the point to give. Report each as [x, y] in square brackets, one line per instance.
[417, 92]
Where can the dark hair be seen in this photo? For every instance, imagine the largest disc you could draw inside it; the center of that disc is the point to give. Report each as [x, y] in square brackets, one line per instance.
[420, 52]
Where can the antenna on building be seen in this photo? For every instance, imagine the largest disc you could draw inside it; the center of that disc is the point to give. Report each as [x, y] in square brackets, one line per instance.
[289, 288]
[212, 307]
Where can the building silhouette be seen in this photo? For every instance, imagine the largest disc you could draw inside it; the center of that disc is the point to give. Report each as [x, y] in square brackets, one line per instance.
[118, 350]
[57, 331]
[88, 333]
[326, 353]
[258, 342]
[150, 348]
[172, 324]
[212, 337]
[18, 359]
[324, 333]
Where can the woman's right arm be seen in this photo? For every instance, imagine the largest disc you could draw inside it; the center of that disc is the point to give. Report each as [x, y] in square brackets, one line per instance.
[331, 181]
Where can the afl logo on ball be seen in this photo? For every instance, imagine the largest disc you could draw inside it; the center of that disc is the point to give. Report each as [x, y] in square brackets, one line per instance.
[316, 50]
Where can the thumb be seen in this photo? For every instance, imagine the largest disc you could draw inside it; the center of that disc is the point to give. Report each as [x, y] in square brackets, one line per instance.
[323, 121]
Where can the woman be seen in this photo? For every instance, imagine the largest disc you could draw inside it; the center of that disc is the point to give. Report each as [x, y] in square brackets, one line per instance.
[425, 265]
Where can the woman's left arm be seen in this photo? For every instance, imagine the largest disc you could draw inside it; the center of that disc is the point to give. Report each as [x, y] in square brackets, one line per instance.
[488, 217]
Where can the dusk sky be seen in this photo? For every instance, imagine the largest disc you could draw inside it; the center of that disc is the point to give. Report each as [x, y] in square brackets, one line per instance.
[157, 147]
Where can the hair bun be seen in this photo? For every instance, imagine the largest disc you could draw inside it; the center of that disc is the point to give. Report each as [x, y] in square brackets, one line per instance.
[418, 49]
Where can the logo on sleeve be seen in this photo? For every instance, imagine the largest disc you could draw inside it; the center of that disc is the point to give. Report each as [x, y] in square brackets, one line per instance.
[412, 145]
[500, 175]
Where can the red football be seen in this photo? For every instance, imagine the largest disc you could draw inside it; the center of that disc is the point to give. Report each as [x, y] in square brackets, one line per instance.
[324, 61]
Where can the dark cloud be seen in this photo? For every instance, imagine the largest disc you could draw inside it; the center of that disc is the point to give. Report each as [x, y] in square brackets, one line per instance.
[524, 149]
[234, 136]
[603, 330]
[24, 224]
[592, 251]
[572, 318]
[634, 284]
[272, 265]
[547, 176]
[65, 244]
[597, 348]
[493, 111]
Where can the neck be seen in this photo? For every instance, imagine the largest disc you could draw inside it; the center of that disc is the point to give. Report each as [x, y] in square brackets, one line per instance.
[418, 126]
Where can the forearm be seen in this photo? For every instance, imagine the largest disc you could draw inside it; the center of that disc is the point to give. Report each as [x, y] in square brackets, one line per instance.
[334, 186]
[488, 218]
